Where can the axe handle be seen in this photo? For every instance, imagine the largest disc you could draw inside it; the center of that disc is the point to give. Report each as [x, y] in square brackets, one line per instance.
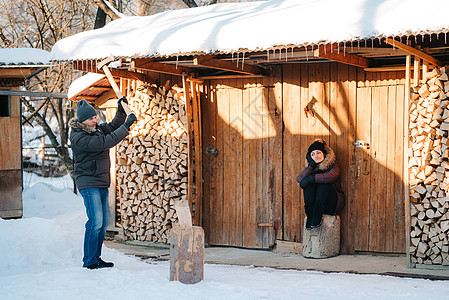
[116, 88]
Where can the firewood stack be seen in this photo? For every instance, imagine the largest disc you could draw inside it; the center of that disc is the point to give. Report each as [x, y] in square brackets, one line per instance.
[429, 170]
[152, 164]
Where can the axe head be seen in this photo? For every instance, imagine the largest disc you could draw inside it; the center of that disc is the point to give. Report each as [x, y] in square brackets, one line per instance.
[104, 62]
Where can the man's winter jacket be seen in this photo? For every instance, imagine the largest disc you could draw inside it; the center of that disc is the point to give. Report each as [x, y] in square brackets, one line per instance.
[90, 147]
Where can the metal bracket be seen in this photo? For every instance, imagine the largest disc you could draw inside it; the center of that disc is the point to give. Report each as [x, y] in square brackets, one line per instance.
[212, 150]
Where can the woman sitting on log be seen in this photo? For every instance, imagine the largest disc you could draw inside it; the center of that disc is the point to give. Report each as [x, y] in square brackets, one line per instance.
[320, 184]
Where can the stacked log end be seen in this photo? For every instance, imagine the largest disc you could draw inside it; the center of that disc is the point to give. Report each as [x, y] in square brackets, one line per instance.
[152, 164]
[429, 170]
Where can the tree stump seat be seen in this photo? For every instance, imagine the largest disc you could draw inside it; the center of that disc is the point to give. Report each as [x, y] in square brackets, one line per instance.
[324, 241]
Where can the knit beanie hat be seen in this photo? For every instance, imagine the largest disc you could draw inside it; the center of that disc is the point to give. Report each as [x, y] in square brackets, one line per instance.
[317, 145]
[84, 111]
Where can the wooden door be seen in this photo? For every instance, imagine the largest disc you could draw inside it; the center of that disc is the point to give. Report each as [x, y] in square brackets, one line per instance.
[241, 172]
[379, 198]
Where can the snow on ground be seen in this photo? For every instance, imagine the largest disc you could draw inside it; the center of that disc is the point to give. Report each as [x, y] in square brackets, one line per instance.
[42, 253]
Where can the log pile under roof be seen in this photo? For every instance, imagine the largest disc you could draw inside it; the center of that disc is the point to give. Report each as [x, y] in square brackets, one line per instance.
[429, 170]
[152, 164]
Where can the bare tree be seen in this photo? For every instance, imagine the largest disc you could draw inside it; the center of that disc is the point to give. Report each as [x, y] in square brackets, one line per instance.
[40, 24]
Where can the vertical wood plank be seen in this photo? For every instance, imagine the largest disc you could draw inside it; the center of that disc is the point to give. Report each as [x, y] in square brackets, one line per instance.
[363, 164]
[383, 151]
[253, 169]
[405, 155]
[228, 176]
[341, 116]
[326, 104]
[375, 182]
[206, 126]
[265, 205]
[306, 133]
[351, 200]
[399, 215]
[290, 164]
[246, 172]
[235, 117]
[273, 96]
[219, 174]
[259, 164]
[391, 168]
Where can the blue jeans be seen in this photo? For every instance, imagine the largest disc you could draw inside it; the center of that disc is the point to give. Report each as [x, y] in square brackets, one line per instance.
[97, 210]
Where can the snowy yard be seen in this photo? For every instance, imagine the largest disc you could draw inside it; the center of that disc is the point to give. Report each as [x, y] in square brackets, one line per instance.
[42, 256]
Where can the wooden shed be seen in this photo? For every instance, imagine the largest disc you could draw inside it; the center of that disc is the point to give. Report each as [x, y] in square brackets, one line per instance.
[16, 67]
[254, 113]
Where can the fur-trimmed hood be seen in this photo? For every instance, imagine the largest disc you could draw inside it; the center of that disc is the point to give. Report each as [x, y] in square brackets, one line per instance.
[74, 123]
[329, 158]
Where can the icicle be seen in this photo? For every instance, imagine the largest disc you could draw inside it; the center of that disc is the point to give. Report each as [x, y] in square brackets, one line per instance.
[352, 45]
[416, 39]
[286, 54]
[325, 48]
[177, 58]
[445, 38]
[358, 44]
[372, 43]
[344, 49]
[237, 59]
[268, 55]
[280, 53]
[232, 56]
[332, 48]
[307, 56]
[431, 38]
[243, 60]
[338, 48]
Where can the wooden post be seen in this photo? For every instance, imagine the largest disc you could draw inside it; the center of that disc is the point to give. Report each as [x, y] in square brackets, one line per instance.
[196, 113]
[405, 176]
[190, 155]
[416, 64]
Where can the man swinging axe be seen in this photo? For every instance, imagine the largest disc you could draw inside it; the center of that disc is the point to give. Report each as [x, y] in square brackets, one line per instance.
[91, 142]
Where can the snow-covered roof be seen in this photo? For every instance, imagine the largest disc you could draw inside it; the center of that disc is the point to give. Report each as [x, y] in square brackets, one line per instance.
[255, 26]
[82, 83]
[24, 56]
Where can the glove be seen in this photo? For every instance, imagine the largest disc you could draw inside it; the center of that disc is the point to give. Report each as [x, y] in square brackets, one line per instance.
[306, 181]
[310, 161]
[120, 107]
[130, 120]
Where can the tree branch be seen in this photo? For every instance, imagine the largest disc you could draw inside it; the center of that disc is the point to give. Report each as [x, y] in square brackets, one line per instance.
[108, 9]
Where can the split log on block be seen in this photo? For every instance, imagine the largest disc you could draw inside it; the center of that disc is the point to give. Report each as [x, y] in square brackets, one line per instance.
[183, 212]
[187, 254]
[323, 241]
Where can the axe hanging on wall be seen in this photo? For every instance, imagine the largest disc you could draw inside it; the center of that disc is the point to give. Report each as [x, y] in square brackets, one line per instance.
[103, 65]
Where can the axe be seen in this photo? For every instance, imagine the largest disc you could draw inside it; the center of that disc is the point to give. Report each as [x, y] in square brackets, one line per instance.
[103, 65]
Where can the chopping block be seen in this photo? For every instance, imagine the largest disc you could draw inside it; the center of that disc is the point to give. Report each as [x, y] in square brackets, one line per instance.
[186, 248]
[187, 254]
[324, 241]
